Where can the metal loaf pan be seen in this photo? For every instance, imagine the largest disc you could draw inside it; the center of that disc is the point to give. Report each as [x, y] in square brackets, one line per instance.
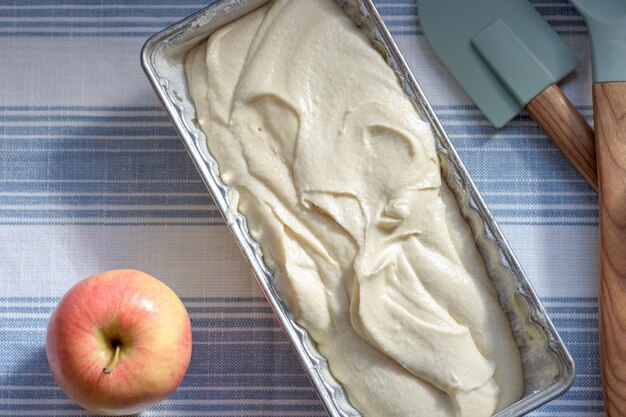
[548, 367]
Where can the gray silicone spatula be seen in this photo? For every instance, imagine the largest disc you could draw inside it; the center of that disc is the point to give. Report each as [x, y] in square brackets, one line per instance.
[606, 20]
[507, 59]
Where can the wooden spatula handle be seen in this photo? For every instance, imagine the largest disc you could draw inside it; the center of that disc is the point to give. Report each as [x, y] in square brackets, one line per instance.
[568, 130]
[609, 106]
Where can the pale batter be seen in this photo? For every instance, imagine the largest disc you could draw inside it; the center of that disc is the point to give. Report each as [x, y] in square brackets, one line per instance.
[341, 185]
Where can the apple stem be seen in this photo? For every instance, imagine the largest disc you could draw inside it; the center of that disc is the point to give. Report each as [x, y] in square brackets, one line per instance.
[113, 361]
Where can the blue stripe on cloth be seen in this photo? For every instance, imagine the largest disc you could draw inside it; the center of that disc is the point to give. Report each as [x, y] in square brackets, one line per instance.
[567, 300]
[250, 409]
[579, 336]
[237, 368]
[66, 165]
[83, 186]
[113, 224]
[44, 34]
[81, 131]
[90, 145]
[543, 199]
[74, 108]
[549, 223]
[571, 409]
[103, 213]
[193, 380]
[96, 12]
[96, 3]
[67, 19]
[36, 24]
[107, 200]
[82, 118]
[569, 309]
[146, 34]
[281, 393]
[542, 213]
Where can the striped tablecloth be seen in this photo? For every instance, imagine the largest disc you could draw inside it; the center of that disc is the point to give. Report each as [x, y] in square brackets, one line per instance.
[94, 177]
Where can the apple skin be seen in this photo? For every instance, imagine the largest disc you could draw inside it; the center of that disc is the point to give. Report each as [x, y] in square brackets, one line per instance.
[138, 312]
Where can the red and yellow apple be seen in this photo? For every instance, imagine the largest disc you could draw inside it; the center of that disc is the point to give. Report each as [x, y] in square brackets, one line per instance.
[119, 342]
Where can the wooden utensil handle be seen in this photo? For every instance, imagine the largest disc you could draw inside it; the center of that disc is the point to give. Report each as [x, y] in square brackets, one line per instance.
[568, 130]
[609, 105]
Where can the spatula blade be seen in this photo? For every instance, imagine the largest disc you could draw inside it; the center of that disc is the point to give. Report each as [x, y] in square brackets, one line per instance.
[452, 27]
[606, 20]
